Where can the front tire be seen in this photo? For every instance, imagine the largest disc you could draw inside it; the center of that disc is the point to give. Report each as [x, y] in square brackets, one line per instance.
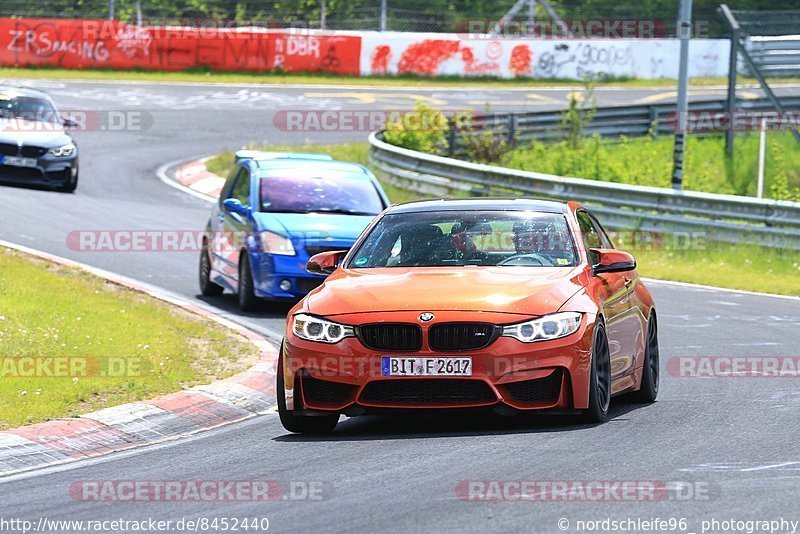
[600, 380]
[650, 370]
[248, 301]
[301, 424]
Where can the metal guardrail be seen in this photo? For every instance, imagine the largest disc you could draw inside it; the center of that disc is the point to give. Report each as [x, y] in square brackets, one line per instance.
[726, 218]
[631, 121]
[777, 56]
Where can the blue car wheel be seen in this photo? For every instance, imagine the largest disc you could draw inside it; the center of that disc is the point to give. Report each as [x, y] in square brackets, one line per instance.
[248, 301]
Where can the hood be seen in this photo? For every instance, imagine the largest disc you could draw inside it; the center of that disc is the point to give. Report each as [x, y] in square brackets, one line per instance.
[314, 226]
[33, 133]
[519, 290]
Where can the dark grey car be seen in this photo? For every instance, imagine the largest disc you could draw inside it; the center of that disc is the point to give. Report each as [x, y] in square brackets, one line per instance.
[34, 147]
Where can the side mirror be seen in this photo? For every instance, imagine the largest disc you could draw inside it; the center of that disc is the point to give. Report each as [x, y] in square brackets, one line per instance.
[612, 261]
[69, 123]
[233, 205]
[325, 262]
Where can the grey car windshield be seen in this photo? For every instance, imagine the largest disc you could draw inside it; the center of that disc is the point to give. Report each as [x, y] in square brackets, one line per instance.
[29, 108]
[461, 238]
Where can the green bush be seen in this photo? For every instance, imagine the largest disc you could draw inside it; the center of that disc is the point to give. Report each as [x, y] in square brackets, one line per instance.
[424, 129]
[488, 145]
[579, 114]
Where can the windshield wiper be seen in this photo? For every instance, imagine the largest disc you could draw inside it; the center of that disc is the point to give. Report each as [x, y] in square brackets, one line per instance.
[285, 211]
[344, 212]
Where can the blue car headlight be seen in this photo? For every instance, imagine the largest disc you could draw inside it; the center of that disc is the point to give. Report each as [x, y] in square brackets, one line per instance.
[273, 243]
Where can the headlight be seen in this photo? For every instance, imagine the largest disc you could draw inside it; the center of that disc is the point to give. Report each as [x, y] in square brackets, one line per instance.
[273, 243]
[65, 150]
[316, 329]
[545, 328]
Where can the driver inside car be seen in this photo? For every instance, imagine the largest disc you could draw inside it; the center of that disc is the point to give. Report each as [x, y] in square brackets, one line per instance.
[542, 241]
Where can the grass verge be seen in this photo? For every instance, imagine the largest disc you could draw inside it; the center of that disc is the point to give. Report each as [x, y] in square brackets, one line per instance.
[648, 161]
[104, 344]
[749, 268]
[279, 78]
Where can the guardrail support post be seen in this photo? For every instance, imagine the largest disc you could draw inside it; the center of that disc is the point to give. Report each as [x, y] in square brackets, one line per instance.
[451, 137]
[654, 120]
[512, 128]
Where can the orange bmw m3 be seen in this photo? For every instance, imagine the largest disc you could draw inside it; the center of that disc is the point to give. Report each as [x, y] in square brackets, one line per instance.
[510, 305]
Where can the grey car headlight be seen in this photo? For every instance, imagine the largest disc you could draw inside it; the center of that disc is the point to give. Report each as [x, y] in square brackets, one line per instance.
[63, 151]
[544, 328]
[313, 328]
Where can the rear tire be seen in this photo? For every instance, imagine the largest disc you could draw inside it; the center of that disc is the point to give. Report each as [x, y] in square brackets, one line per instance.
[600, 380]
[207, 287]
[301, 424]
[650, 370]
[248, 301]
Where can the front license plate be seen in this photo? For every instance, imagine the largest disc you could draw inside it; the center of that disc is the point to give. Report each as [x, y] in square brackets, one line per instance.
[413, 366]
[17, 161]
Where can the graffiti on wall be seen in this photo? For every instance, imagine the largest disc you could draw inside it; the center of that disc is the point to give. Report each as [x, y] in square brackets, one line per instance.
[403, 53]
[110, 44]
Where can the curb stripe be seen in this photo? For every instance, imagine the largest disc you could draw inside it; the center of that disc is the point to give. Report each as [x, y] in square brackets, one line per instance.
[200, 409]
[240, 395]
[78, 438]
[20, 454]
[196, 177]
[146, 422]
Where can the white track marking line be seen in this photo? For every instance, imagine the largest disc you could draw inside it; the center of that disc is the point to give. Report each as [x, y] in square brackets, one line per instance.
[161, 172]
[698, 287]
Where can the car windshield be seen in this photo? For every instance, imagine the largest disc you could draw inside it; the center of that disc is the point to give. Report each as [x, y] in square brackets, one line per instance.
[320, 191]
[460, 238]
[29, 108]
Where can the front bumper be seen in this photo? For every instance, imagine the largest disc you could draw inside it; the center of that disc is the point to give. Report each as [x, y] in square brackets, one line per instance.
[347, 377]
[273, 270]
[49, 171]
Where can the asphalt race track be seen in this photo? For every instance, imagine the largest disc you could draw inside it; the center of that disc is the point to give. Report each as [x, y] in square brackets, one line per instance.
[732, 441]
